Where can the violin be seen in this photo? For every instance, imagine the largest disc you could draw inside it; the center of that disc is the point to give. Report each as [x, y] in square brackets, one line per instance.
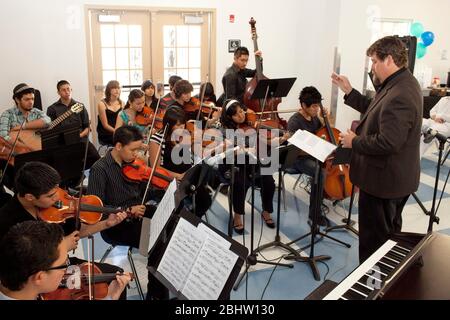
[145, 116]
[337, 184]
[138, 171]
[91, 209]
[98, 279]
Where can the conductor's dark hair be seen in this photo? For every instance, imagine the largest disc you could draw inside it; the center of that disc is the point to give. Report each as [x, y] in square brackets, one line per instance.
[36, 178]
[309, 96]
[390, 46]
[126, 135]
[241, 51]
[27, 248]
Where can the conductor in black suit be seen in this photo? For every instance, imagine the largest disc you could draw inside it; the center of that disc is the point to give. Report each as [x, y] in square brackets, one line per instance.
[385, 161]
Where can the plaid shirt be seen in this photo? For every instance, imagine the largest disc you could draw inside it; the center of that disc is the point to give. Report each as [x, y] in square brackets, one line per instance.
[14, 117]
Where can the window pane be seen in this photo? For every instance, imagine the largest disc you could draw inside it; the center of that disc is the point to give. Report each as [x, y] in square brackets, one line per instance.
[194, 75]
[169, 36]
[136, 77]
[183, 73]
[107, 35]
[124, 94]
[195, 58]
[135, 58]
[182, 36]
[108, 59]
[182, 58]
[135, 33]
[123, 76]
[195, 36]
[122, 58]
[169, 58]
[108, 76]
[121, 35]
[168, 73]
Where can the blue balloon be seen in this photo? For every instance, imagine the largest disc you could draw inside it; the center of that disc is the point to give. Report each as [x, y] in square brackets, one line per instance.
[416, 29]
[427, 38]
[421, 50]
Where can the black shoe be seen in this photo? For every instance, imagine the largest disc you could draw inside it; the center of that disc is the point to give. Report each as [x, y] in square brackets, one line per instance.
[427, 137]
[269, 222]
[239, 230]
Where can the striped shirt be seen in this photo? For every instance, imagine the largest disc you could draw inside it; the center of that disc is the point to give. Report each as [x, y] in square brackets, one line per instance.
[107, 182]
[14, 117]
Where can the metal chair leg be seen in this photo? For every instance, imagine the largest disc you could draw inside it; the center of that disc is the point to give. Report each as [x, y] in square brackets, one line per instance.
[297, 181]
[106, 254]
[133, 268]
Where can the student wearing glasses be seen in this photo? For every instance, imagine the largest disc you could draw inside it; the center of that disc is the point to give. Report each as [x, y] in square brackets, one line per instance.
[34, 259]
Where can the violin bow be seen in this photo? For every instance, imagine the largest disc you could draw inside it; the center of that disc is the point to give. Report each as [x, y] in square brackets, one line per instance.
[154, 164]
[153, 122]
[12, 149]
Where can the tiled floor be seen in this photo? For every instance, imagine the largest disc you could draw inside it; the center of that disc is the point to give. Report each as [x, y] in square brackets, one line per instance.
[267, 282]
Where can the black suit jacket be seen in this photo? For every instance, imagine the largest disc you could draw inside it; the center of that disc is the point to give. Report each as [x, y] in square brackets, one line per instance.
[385, 158]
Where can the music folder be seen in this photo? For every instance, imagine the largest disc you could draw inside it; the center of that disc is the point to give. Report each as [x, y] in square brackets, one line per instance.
[194, 260]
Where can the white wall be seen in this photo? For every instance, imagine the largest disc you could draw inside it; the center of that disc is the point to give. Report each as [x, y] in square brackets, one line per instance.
[45, 41]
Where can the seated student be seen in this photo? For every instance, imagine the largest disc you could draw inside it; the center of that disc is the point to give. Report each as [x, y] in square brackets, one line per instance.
[81, 119]
[308, 118]
[108, 109]
[127, 117]
[233, 116]
[439, 121]
[36, 186]
[210, 97]
[150, 94]
[33, 257]
[107, 181]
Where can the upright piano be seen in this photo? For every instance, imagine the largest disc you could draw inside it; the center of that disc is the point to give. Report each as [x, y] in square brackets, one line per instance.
[408, 266]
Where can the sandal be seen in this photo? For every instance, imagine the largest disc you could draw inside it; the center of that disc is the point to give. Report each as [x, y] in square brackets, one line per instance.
[238, 228]
[269, 221]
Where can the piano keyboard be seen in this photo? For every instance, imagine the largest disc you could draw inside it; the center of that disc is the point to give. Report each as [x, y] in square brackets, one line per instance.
[364, 281]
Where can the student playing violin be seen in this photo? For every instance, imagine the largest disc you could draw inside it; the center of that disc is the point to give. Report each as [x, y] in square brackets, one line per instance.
[234, 117]
[36, 189]
[135, 104]
[150, 94]
[30, 268]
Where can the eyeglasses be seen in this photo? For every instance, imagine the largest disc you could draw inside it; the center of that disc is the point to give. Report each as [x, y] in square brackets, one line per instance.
[63, 266]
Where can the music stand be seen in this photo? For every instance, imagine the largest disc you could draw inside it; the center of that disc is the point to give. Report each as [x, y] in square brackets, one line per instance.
[60, 136]
[272, 88]
[67, 160]
[343, 156]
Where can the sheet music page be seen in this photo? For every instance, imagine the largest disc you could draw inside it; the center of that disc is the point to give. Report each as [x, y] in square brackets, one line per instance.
[162, 213]
[312, 144]
[214, 235]
[181, 253]
[210, 271]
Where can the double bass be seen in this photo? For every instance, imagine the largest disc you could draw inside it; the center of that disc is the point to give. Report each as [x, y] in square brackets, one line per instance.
[270, 119]
[337, 185]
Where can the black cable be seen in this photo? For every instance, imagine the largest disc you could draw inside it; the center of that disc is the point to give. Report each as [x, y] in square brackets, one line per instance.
[328, 269]
[270, 277]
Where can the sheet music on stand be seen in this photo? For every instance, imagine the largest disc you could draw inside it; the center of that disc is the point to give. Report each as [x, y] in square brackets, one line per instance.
[199, 262]
[312, 144]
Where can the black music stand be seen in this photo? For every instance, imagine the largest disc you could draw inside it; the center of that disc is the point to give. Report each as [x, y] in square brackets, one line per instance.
[60, 136]
[315, 231]
[343, 156]
[265, 89]
[67, 160]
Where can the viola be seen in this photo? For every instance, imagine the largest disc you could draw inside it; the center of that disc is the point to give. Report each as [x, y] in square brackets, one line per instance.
[91, 209]
[138, 171]
[98, 279]
[337, 184]
[255, 104]
[145, 116]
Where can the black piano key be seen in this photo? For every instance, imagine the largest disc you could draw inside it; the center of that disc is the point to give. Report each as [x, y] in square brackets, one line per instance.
[362, 288]
[383, 269]
[352, 295]
[397, 256]
[373, 282]
[402, 249]
[388, 263]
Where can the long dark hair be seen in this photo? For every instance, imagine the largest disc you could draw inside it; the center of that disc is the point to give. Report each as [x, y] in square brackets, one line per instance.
[134, 94]
[172, 117]
[229, 110]
[113, 84]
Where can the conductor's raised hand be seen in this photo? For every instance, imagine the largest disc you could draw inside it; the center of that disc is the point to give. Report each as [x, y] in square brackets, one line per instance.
[342, 82]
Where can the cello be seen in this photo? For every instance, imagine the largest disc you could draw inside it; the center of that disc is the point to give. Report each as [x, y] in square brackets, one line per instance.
[337, 184]
[270, 119]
